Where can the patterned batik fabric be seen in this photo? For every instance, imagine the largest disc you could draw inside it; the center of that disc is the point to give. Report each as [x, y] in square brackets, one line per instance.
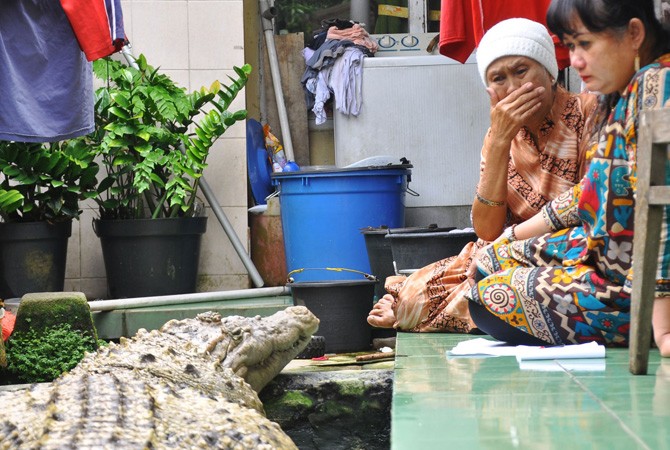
[573, 286]
[540, 168]
[543, 166]
[431, 299]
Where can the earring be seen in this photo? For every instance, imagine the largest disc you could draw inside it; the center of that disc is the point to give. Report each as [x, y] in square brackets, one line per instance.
[637, 62]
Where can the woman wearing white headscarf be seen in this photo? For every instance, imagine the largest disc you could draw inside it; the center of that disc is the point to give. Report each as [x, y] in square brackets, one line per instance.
[534, 150]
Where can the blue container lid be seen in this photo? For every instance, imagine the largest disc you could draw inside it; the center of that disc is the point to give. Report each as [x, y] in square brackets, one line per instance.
[258, 163]
[339, 171]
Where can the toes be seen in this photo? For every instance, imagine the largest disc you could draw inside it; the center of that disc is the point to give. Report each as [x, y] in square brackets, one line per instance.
[377, 322]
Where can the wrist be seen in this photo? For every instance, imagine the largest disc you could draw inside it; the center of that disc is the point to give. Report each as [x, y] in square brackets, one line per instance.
[487, 202]
[509, 233]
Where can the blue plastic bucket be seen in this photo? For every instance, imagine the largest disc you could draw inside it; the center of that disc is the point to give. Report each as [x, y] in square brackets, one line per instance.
[324, 210]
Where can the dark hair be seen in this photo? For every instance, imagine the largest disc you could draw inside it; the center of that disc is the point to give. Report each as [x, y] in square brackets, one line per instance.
[609, 15]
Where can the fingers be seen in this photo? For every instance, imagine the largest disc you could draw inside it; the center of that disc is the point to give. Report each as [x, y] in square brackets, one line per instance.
[519, 104]
[521, 97]
[524, 107]
[387, 298]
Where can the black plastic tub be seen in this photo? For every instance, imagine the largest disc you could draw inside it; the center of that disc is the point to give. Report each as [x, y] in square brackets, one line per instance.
[342, 307]
[380, 253]
[416, 250]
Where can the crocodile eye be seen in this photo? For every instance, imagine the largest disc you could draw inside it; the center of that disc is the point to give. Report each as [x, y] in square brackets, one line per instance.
[237, 333]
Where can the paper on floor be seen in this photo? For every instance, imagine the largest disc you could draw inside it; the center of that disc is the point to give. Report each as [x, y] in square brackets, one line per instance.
[579, 351]
[562, 365]
[487, 347]
[482, 347]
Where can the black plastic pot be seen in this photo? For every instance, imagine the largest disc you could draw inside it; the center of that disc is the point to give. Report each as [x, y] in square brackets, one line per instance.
[150, 257]
[416, 250]
[342, 307]
[380, 252]
[379, 255]
[32, 257]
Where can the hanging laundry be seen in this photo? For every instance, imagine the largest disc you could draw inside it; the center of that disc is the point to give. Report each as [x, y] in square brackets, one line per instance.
[464, 22]
[98, 26]
[46, 88]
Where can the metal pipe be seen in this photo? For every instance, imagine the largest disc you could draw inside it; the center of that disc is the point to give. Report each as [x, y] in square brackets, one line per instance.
[418, 14]
[184, 299]
[269, 13]
[359, 11]
[256, 277]
[268, 31]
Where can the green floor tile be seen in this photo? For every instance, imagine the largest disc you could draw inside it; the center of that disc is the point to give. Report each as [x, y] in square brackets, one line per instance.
[498, 403]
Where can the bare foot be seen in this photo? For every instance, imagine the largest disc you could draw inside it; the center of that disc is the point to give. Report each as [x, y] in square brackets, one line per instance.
[663, 344]
[382, 315]
[661, 324]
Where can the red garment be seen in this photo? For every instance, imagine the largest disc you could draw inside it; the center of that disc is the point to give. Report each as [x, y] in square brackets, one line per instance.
[7, 325]
[93, 27]
[464, 22]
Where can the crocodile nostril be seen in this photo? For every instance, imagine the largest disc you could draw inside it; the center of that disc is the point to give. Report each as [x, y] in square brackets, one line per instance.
[147, 358]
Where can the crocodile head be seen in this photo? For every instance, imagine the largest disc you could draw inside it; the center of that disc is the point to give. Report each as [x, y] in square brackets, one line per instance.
[255, 348]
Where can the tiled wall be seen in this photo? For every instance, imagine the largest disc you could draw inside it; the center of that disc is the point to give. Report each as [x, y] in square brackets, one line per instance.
[195, 42]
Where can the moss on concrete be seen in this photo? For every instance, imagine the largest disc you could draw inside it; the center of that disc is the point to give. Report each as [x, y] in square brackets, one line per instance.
[49, 309]
[296, 398]
[338, 409]
[352, 387]
[331, 409]
[289, 404]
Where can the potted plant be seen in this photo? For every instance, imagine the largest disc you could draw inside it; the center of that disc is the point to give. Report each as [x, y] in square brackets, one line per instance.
[40, 194]
[153, 139]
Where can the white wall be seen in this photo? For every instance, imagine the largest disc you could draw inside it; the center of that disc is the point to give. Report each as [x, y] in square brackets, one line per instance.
[195, 42]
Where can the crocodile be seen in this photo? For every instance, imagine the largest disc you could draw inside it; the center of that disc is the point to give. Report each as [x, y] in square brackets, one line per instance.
[193, 383]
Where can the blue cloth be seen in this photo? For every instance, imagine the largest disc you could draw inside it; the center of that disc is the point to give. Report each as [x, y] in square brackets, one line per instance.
[46, 87]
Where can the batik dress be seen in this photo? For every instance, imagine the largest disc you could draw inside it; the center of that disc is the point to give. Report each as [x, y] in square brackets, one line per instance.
[541, 168]
[573, 285]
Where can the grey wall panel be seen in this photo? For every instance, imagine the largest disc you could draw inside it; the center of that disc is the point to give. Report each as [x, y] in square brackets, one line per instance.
[430, 109]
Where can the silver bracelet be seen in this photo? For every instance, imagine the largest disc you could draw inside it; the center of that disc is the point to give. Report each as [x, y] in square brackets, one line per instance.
[488, 202]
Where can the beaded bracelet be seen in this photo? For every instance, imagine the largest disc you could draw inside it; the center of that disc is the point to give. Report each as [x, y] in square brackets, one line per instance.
[547, 220]
[509, 233]
[488, 202]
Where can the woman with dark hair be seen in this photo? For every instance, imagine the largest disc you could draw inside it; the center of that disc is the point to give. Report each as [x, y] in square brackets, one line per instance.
[564, 276]
[535, 149]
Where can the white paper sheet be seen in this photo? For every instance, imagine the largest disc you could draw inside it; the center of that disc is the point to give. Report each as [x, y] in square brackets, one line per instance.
[579, 351]
[482, 347]
[488, 347]
[562, 365]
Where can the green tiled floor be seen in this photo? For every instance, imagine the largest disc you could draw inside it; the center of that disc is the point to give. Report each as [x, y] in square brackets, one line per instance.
[441, 402]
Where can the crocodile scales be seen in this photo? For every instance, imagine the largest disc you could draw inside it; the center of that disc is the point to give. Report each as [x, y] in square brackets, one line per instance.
[191, 384]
